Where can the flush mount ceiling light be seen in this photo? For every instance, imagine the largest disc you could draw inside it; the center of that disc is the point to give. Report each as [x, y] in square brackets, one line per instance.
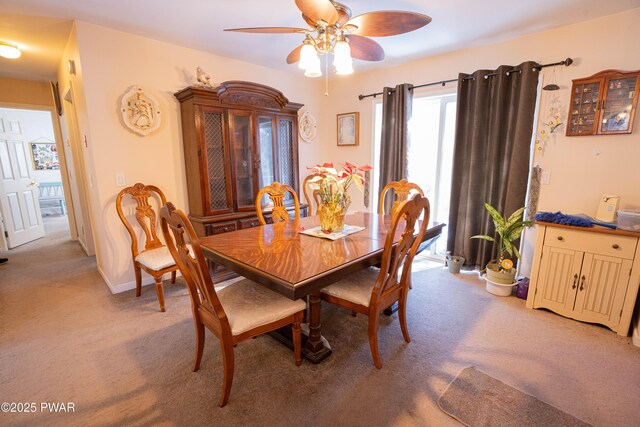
[333, 31]
[9, 51]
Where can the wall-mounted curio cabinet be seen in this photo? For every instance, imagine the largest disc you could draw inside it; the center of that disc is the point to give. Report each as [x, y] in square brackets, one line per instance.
[603, 104]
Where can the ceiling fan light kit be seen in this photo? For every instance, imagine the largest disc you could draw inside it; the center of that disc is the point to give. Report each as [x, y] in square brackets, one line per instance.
[333, 31]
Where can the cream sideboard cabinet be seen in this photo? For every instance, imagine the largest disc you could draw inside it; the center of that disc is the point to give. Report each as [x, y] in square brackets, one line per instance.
[589, 274]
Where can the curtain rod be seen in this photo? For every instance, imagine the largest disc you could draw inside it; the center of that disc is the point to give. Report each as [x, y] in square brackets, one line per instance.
[566, 62]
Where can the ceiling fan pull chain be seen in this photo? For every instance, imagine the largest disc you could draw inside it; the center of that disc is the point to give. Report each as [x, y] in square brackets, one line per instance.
[326, 74]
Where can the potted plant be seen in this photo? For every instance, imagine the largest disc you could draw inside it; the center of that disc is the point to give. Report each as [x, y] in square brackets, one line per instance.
[502, 272]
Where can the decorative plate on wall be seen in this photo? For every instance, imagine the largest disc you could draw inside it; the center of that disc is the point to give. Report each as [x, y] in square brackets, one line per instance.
[307, 126]
[140, 111]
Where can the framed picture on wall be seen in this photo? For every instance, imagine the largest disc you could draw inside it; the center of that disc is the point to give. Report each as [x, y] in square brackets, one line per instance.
[348, 129]
[44, 156]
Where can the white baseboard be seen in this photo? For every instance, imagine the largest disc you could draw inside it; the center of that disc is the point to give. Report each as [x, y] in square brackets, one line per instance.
[127, 286]
[148, 280]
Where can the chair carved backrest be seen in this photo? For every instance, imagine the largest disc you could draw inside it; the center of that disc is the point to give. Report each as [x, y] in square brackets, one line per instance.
[277, 192]
[178, 233]
[145, 215]
[306, 189]
[397, 259]
[402, 189]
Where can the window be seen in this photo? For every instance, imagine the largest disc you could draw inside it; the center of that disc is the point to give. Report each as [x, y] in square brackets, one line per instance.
[432, 129]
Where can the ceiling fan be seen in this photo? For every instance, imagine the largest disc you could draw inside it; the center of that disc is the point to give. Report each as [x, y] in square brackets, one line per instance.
[333, 30]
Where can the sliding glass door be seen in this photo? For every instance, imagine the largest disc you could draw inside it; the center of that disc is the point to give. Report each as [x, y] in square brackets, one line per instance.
[432, 129]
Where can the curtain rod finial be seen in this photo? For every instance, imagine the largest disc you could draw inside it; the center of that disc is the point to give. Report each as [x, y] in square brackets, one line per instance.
[568, 62]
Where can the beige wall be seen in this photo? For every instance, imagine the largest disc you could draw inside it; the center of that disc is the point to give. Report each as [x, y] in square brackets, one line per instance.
[113, 61]
[582, 168]
[14, 91]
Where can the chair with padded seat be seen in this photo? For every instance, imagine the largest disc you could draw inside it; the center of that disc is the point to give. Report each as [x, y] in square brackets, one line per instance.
[155, 258]
[236, 313]
[371, 291]
[306, 189]
[401, 189]
[277, 193]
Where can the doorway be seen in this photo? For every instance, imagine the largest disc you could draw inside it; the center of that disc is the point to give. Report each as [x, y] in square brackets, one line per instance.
[31, 186]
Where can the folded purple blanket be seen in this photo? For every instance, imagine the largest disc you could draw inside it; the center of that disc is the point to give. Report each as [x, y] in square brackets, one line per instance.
[560, 218]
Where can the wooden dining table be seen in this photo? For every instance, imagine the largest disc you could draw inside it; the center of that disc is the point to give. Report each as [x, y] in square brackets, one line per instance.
[296, 265]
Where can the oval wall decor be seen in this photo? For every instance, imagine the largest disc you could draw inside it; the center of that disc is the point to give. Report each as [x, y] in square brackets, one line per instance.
[307, 127]
[140, 111]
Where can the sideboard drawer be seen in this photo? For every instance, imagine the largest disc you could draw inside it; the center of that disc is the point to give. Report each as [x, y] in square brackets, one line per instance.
[603, 244]
[220, 227]
[249, 222]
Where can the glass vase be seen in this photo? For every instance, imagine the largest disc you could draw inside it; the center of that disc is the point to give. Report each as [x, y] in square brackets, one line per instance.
[332, 215]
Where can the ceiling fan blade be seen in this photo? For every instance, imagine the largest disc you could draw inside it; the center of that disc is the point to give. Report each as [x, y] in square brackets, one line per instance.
[364, 48]
[318, 9]
[268, 30]
[309, 21]
[388, 23]
[294, 56]
[344, 13]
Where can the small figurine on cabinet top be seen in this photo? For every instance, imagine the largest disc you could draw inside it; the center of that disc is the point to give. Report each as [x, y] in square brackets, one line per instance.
[203, 78]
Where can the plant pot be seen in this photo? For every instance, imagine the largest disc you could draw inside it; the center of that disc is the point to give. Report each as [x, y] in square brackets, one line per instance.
[332, 216]
[454, 263]
[499, 289]
[501, 277]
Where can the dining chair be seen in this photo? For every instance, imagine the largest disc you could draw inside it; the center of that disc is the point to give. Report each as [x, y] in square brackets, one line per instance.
[236, 313]
[401, 189]
[306, 189]
[155, 258]
[277, 193]
[371, 291]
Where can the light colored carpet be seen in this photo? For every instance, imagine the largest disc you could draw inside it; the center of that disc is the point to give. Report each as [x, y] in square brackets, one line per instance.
[65, 338]
[477, 399]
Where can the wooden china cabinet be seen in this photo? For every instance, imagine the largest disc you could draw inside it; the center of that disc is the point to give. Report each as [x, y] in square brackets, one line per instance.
[604, 104]
[237, 137]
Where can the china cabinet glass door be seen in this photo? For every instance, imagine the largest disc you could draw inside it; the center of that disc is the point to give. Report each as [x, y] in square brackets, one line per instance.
[286, 153]
[243, 158]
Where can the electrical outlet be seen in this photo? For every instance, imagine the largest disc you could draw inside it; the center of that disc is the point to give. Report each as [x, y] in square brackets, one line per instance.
[545, 178]
[120, 179]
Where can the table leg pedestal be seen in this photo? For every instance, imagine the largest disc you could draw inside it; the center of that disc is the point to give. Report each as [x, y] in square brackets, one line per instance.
[313, 348]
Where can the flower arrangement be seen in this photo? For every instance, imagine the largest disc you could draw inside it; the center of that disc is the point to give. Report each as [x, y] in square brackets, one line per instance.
[333, 185]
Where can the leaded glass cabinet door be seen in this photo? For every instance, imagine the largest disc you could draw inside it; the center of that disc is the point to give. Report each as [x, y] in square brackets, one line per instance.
[244, 160]
[215, 162]
[287, 152]
[266, 134]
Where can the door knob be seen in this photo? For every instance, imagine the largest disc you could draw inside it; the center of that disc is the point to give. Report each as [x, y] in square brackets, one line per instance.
[32, 184]
[575, 281]
[615, 246]
[582, 282]
[560, 238]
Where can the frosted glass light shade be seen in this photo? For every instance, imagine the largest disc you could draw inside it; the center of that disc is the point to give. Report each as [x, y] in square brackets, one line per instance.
[314, 69]
[342, 58]
[307, 55]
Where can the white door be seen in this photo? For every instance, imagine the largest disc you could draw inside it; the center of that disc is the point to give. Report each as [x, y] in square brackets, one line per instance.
[18, 190]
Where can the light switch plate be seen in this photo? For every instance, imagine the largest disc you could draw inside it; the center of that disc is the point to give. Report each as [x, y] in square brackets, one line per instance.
[545, 178]
[120, 179]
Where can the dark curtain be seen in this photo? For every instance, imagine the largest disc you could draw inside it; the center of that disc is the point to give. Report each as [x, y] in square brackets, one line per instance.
[494, 125]
[396, 112]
